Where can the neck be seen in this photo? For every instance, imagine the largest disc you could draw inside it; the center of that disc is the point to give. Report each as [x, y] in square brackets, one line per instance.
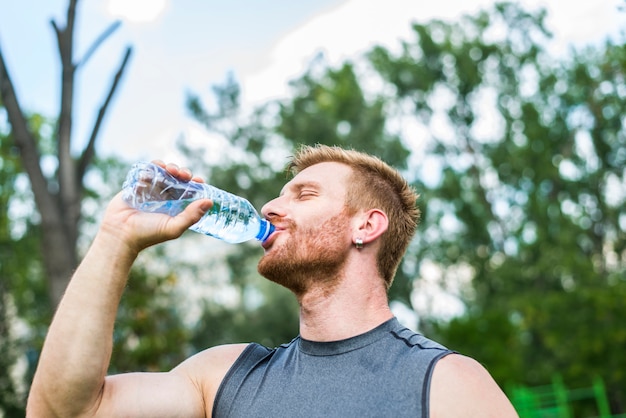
[352, 306]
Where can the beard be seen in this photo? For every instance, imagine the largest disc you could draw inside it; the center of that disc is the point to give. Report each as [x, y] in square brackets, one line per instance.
[313, 256]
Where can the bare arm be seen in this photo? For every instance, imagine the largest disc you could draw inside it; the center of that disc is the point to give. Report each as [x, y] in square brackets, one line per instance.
[187, 391]
[461, 387]
[70, 378]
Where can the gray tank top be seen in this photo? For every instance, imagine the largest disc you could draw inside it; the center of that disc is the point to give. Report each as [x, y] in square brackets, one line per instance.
[385, 372]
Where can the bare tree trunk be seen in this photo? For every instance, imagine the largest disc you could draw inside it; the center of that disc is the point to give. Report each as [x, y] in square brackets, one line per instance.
[60, 208]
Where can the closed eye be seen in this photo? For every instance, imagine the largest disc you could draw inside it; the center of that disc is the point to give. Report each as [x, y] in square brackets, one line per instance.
[306, 194]
[302, 190]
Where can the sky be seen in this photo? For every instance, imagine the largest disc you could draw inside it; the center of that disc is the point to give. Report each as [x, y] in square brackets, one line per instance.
[190, 45]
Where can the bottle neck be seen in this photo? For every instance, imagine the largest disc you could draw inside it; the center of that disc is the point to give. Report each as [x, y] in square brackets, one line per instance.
[265, 230]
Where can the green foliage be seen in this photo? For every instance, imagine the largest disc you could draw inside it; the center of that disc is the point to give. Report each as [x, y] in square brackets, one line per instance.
[468, 335]
[332, 109]
[149, 333]
[11, 400]
[22, 288]
[267, 316]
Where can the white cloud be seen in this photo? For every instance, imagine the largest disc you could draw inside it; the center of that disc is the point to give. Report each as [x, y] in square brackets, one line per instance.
[137, 11]
[356, 25]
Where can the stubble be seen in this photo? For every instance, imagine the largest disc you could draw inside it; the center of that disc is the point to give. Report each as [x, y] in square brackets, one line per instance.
[313, 256]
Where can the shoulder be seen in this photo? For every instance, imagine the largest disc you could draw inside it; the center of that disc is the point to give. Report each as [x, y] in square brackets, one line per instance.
[207, 368]
[415, 339]
[472, 388]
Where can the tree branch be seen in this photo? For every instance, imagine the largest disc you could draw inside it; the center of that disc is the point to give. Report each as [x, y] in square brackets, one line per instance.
[68, 197]
[89, 152]
[66, 47]
[96, 44]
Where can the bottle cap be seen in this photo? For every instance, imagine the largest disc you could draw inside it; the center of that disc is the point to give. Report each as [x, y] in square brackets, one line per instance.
[265, 231]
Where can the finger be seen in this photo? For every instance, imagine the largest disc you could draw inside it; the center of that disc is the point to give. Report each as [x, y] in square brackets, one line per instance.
[160, 163]
[192, 214]
[205, 205]
[197, 179]
[173, 169]
[184, 174]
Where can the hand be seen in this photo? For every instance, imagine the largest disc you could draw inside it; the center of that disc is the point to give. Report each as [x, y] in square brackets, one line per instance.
[152, 184]
[138, 230]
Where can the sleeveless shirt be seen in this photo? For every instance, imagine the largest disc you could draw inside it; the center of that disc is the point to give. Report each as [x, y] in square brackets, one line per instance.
[385, 372]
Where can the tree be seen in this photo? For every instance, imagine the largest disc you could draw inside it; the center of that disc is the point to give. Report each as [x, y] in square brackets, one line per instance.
[58, 197]
[533, 209]
[39, 251]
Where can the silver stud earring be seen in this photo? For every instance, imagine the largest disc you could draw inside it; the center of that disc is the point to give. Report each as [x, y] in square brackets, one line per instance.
[358, 242]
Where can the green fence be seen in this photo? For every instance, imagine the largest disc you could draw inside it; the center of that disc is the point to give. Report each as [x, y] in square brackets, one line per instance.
[558, 401]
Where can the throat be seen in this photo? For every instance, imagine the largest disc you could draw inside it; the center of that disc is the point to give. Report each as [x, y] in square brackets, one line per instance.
[332, 314]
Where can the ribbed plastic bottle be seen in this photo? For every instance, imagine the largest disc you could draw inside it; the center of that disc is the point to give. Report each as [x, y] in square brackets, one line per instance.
[150, 188]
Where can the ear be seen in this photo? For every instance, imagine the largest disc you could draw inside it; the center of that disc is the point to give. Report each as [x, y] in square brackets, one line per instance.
[370, 225]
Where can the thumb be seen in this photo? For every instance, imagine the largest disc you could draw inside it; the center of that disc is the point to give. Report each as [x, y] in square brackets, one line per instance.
[204, 205]
[192, 214]
[197, 210]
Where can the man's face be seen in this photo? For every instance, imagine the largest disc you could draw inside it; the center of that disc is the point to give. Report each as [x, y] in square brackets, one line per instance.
[313, 234]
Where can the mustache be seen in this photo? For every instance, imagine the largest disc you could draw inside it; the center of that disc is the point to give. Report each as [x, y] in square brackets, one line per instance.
[282, 223]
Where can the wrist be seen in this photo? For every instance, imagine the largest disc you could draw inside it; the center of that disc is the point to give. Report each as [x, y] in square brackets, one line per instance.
[110, 245]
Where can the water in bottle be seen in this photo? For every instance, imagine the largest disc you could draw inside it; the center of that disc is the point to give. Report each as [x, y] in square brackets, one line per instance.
[150, 188]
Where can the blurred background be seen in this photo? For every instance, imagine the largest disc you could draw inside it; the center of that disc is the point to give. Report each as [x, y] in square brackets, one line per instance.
[508, 118]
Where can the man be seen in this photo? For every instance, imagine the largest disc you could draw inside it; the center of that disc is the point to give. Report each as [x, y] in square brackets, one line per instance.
[342, 224]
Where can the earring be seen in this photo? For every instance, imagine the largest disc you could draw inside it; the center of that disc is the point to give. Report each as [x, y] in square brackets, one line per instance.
[358, 243]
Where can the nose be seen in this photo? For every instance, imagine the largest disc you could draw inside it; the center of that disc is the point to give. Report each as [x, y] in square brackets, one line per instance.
[272, 209]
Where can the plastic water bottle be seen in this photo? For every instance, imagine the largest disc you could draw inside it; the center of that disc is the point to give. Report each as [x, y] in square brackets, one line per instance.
[150, 188]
